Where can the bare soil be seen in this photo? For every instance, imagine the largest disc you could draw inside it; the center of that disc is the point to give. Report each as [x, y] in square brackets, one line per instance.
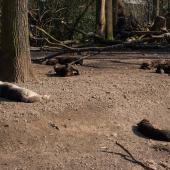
[78, 127]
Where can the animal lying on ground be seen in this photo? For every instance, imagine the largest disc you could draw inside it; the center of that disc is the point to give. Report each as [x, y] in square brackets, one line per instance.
[148, 65]
[15, 93]
[65, 70]
[145, 66]
[148, 130]
[163, 68]
[160, 66]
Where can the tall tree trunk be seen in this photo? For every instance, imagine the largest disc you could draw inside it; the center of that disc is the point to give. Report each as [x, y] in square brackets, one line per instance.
[100, 18]
[168, 6]
[15, 62]
[155, 8]
[115, 14]
[109, 20]
[161, 10]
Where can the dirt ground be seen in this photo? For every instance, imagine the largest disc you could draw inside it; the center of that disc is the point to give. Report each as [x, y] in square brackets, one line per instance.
[78, 127]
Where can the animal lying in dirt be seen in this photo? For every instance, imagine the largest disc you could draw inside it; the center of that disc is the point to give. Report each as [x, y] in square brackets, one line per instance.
[148, 130]
[148, 65]
[15, 93]
[163, 68]
[159, 65]
[65, 70]
[145, 66]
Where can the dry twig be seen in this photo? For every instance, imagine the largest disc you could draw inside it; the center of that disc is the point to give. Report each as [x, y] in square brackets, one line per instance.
[133, 158]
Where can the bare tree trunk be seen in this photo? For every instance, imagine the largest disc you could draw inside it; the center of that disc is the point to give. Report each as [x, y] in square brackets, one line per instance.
[15, 62]
[155, 8]
[168, 6]
[115, 14]
[109, 20]
[100, 18]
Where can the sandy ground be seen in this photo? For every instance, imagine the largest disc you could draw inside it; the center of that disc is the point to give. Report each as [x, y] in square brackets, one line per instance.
[77, 129]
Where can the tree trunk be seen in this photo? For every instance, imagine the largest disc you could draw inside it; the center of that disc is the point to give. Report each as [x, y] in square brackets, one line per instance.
[109, 20]
[115, 14]
[168, 6]
[155, 8]
[15, 62]
[100, 18]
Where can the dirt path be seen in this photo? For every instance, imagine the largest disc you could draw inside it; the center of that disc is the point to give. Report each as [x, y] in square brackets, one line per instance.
[86, 115]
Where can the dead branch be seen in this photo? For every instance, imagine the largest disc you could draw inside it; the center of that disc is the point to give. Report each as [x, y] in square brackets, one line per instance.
[135, 46]
[165, 35]
[133, 158]
[59, 43]
[81, 58]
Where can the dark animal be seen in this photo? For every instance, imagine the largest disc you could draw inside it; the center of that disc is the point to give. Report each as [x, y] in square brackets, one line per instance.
[15, 93]
[145, 66]
[65, 70]
[163, 68]
[68, 60]
[148, 130]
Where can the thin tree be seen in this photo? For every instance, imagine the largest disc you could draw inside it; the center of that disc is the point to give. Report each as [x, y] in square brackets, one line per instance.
[109, 20]
[156, 9]
[115, 14]
[100, 18]
[15, 60]
[168, 6]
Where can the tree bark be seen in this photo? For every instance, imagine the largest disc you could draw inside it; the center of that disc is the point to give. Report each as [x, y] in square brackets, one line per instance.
[100, 18]
[156, 9]
[15, 62]
[109, 20]
[115, 14]
[168, 6]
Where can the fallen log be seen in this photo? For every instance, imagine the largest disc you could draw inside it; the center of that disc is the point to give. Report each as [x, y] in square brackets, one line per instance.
[118, 47]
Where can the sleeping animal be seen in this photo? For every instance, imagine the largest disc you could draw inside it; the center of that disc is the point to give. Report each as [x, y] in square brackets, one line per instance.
[15, 93]
[65, 70]
[148, 130]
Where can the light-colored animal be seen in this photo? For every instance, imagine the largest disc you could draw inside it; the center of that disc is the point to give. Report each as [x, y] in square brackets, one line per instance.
[13, 92]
